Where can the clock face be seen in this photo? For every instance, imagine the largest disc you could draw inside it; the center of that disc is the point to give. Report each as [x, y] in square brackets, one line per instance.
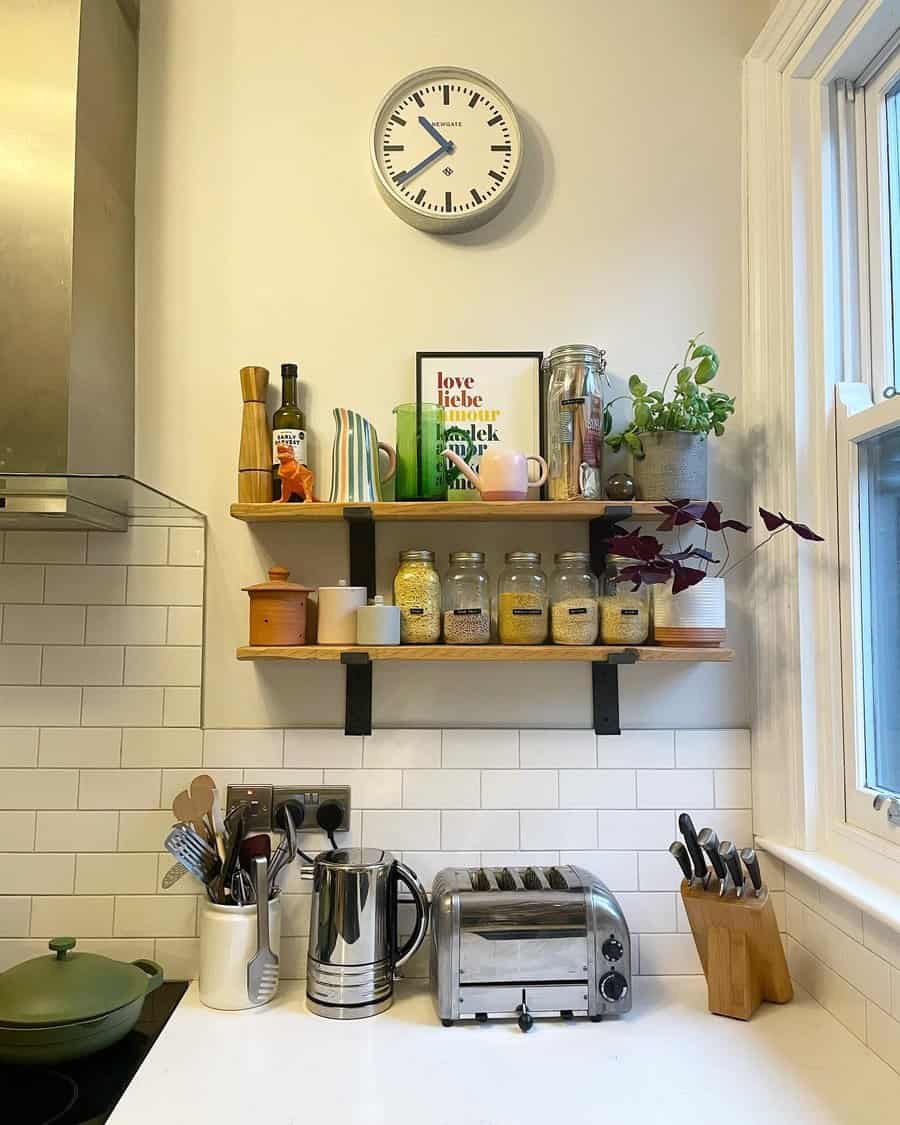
[446, 148]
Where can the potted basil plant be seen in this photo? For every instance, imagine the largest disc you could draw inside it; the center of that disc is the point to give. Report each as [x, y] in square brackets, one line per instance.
[689, 599]
[668, 437]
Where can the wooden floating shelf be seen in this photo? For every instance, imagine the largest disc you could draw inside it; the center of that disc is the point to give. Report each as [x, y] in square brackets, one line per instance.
[448, 510]
[502, 653]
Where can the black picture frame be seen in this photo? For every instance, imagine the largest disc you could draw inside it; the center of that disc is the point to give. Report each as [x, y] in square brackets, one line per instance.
[537, 356]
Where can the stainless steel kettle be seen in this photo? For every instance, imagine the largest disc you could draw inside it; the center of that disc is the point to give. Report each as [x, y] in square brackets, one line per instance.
[354, 946]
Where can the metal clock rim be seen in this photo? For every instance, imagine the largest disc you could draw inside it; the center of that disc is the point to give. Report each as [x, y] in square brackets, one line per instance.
[436, 223]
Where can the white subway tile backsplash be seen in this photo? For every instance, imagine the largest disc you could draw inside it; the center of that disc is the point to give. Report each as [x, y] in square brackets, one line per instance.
[45, 547]
[730, 824]
[801, 887]
[38, 789]
[262, 775]
[155, 916]
[772, 870]
[36, 873]
[318, 748]
[732, 789]
[18, 830]
[881, 939]
[168, 666]
[182, 707]
[402, 749]
[126, 625]
[427, 864]
[862, 968]
[619, 870]
[574, 829]
[84, 585]
[648, 912]
[596, 789]
[82, 916]
[668, 955]
[55, 706]
[658, 871]
[637, 749]
[76, 831]
[156, 746]
[714, 749]
[883, 1035]
[895, 993]
[186, 547]
[180, 958]
[399, 829]
[122, 873]
[518, 858]
[119, 949]
[295, 911]
[557, 749]
[519, 789]
[20, 664]
[80, 747]
[471, 829]
[638, 829]
[15, 916]
[372, 789]
[119, 789]
[143, 830]
[174, 780]
[122, 706]
[43, 624]
[831, 990]
[143, 544]
[480, 749]
[243, 748]
[20, 949]
[22, 585]
[841, 913]
[439, 789]
[665, 789]
[165, 585]
[184, 625]
[82, 664]
[18, 746]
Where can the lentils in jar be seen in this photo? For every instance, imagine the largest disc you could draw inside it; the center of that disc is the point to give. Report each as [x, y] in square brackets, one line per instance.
[573, 600]
[417, 591]
[624, 612]
[522, 602]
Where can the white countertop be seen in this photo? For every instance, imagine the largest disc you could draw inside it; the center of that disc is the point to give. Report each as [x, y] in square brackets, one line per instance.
[794, 1064]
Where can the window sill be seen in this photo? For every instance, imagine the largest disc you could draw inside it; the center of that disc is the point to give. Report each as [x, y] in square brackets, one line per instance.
[880, 900]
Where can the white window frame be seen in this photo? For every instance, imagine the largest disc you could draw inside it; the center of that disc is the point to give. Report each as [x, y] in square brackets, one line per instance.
[801, 303]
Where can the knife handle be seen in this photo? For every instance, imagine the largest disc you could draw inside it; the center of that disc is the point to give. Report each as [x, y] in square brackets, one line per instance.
[686, 828]
[729, 853]
[751, 862]
[679, 851]
[709, 841]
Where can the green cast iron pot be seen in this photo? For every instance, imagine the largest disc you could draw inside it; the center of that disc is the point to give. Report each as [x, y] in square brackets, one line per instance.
[57, 1008]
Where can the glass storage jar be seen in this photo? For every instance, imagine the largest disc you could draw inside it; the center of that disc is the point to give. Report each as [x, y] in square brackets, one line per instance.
[522, 600]
[624, 611]
[467, 600]
[574, 590]
[417, 592]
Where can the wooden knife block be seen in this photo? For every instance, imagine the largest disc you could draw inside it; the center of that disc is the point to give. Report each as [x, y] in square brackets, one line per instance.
[740, 950]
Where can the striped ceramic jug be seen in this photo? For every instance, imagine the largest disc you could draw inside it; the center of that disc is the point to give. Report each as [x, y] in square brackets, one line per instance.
[355, 472]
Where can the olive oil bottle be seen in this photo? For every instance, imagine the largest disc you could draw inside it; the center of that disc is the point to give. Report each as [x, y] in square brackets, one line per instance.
[288, 423]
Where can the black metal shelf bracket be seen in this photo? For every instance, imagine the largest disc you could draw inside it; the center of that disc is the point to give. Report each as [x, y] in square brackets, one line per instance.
[361, 533]
[605, 673]
[358, 709]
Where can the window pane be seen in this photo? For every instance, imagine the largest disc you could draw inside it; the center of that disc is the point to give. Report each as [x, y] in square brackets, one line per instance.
[880, 572]
[892, 105]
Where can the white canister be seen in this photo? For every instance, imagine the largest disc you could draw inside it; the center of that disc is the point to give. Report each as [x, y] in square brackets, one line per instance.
[337, 613]
[227, 944]
[378, 624]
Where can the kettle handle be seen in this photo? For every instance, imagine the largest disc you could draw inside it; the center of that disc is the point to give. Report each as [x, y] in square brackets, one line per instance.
[409, 878]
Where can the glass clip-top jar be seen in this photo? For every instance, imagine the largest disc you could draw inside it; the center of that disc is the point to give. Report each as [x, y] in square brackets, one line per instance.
[522, 600]
[574, 591]
[467, 600]
[417, 593]
[624, 611]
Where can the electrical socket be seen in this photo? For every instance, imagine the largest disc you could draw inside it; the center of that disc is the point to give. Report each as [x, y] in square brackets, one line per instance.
[312, 797]
[259, 798]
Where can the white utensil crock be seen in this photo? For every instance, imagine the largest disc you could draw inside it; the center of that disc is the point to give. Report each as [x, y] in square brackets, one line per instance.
[693, 618]
[337, 613]
[227, 944]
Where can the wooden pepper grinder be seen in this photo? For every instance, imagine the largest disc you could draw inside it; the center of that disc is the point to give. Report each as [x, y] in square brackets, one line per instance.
[255, 459]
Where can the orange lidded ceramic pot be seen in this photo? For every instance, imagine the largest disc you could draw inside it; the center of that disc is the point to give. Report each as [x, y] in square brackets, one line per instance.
[278, 610]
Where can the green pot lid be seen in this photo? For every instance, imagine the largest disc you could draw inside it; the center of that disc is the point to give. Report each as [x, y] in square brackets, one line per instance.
[71, 987]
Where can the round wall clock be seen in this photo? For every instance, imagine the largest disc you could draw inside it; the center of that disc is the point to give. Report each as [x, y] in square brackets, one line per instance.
[446, 149]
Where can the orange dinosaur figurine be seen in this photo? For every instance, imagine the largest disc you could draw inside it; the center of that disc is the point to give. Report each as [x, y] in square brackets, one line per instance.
[296, 479]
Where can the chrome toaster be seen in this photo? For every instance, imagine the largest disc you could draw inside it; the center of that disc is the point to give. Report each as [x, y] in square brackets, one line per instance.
[527, 941]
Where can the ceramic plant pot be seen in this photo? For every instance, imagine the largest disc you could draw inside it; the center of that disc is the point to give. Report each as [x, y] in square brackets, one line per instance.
[695, 618]
[674, 466]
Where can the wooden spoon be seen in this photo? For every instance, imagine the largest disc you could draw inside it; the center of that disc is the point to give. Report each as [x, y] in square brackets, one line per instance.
[184, 810]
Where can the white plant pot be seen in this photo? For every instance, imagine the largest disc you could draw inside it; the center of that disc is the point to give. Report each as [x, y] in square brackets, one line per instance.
[693, 618]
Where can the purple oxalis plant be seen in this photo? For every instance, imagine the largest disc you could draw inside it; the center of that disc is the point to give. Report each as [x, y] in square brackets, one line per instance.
[654, 564]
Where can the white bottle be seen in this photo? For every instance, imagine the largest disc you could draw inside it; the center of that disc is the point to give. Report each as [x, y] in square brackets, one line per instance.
[377, 623]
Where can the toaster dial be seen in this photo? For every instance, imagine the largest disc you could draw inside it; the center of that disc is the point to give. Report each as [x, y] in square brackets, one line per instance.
[613, 986]
[612, 949]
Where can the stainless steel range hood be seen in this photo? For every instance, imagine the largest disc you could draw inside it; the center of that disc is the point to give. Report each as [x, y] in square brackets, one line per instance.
[68, 127]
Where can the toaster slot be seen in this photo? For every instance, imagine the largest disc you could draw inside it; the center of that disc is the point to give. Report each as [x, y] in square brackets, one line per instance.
[479, 879]
[556, 879]
[533, 880]
[506, 881]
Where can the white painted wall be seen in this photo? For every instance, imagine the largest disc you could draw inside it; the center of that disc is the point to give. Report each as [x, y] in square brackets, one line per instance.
[261, 238]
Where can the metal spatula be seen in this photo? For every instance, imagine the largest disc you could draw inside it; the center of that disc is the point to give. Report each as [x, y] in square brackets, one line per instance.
[262, 971]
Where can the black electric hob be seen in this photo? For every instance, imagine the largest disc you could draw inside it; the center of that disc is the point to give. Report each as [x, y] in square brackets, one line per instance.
[85, 1092]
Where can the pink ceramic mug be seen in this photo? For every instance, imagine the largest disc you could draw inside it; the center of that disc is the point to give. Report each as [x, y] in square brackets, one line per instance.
[503, 473]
